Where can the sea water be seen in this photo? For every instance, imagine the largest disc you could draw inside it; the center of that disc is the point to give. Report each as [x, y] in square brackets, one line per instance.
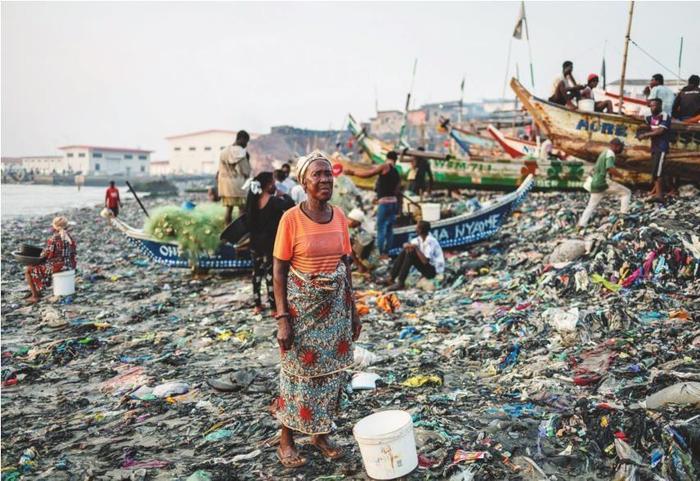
[23, 200]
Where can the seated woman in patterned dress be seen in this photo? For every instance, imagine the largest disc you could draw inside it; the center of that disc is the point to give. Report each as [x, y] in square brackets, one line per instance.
[59, 255]
[316, 312]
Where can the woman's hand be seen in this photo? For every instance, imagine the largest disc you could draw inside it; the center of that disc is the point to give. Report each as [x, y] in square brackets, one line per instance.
[285, 334]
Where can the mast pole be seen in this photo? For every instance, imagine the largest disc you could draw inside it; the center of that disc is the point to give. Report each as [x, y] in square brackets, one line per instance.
[624, 57]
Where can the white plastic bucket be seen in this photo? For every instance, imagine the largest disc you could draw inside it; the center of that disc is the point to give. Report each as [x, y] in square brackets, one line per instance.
[431, 212]
[586, 105]
[387, 444]
[64, 283]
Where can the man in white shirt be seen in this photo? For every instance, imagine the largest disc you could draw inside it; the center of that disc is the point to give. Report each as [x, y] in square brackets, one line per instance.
[423, 252]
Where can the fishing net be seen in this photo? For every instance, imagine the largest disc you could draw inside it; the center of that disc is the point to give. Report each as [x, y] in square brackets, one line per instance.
[196, 231]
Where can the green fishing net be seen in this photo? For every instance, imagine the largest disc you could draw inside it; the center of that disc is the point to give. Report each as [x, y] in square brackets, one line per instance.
[195, 231]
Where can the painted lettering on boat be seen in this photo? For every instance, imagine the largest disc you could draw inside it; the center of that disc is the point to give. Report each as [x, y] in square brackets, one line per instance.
[461, 231]
[168, 251]
[608, 128]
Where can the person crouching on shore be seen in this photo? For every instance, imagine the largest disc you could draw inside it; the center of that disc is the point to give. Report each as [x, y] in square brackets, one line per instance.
[59, 255]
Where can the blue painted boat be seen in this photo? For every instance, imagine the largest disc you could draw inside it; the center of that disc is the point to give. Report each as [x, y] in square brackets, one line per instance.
[228, 257]
[467, 229]
[452, 233]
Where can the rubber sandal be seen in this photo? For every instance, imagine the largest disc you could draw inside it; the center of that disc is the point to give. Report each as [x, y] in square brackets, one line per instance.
[330, 453]
[289, 461]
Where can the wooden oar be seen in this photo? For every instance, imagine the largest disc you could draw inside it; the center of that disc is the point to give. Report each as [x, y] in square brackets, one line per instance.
[131, 189]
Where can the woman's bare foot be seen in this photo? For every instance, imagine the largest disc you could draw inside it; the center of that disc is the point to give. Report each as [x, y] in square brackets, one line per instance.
[258, 309]
[328, 449]
[33, 299]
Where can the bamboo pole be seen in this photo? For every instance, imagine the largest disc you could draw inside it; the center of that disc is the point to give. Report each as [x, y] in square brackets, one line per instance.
[624, 57]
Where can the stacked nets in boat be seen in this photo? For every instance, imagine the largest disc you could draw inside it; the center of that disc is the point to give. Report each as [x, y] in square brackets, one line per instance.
[196, 231]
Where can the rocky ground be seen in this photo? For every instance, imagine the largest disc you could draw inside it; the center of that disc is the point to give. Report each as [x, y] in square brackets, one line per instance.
[517, 365]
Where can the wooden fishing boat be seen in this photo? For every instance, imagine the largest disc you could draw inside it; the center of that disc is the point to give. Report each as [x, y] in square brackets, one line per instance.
[168, 253]
[586, 134]
[467, 229]
[499, 174]
[518, 148]
[452, 233]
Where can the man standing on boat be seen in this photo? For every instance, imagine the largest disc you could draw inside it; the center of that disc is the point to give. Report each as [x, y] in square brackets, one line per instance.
[659, 125]
[234, 170]
[388, 192]
[687, 103]
[565, 88]
[661, 92]
[601, 185]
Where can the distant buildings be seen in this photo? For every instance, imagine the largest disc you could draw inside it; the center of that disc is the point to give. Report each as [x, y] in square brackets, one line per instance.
[106, 161]
[160, 167]
[635, 87]
[386, 122]
[198, 152]
[41, 164]
[423, 123]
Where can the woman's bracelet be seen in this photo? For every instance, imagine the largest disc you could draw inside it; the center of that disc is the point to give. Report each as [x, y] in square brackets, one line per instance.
[284, 315]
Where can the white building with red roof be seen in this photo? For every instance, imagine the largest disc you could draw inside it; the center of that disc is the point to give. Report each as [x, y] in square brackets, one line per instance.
[98, 161]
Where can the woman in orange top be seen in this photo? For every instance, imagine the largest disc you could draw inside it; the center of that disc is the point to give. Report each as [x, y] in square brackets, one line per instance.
[316, 312]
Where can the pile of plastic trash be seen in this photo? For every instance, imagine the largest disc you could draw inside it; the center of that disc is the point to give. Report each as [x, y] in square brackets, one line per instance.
[540, 354]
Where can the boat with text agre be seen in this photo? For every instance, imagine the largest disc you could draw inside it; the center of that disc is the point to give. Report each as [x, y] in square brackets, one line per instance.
[452, 233]
[586, 134]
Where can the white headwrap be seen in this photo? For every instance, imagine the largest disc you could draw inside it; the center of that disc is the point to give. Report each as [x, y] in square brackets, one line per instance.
[253, 185]
[304, 162]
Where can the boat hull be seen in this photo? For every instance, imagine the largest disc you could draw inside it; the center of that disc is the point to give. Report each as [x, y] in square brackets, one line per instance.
[586, 134]
[468, 228]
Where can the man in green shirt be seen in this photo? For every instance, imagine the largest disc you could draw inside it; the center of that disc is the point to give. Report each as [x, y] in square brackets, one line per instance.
[601, 185]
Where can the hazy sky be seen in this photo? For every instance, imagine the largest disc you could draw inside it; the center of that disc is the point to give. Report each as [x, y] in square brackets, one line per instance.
[130, 74]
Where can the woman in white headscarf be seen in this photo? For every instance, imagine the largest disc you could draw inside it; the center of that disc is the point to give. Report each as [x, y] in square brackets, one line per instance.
[58, 255]
[317, 318]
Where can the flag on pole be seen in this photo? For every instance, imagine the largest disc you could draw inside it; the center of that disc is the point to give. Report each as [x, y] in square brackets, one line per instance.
[602, 73]
[518, 30]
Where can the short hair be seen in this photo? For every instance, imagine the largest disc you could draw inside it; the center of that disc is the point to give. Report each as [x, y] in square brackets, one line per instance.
[423, 227]
[617, 141]
[659, 78]
[279, 175]
[242, 135]
[656, 99]
[286, 164]
[111, 182]
[694, 80]
[392, 155]
[567, 63]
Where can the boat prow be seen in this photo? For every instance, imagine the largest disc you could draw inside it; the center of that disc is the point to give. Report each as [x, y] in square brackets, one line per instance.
[169, 254]
[586, 134]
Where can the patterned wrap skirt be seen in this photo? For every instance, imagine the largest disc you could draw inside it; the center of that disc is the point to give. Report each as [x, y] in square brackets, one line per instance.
[313, 373]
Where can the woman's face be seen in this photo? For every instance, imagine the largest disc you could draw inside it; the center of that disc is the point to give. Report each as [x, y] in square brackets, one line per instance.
[318, 181]
[270, 188]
